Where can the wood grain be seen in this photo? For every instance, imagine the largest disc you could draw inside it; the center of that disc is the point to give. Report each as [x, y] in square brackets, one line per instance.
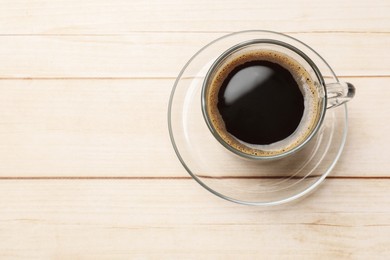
[122, 16]
[81, 128]
[162, 55]
[175, 219]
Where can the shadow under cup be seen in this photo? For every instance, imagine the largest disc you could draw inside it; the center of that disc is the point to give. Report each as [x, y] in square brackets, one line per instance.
[305, 73]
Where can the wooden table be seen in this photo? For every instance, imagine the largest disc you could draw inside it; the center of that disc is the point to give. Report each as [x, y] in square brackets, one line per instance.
[87, 168]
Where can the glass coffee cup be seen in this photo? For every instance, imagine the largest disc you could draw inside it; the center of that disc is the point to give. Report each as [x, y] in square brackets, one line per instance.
[266, 99]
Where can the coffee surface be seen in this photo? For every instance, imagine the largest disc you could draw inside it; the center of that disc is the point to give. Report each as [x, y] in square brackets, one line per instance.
[260, 102]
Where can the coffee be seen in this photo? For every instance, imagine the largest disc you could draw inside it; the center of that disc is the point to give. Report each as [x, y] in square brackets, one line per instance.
[262, 102]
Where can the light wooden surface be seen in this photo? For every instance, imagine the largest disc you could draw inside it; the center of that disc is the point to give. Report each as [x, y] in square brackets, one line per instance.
[88, 171]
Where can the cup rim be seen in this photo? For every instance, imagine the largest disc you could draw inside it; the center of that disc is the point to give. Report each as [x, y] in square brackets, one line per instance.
[248, 43]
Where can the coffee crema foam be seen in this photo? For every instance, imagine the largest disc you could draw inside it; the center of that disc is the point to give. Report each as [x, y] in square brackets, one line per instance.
[309, 90]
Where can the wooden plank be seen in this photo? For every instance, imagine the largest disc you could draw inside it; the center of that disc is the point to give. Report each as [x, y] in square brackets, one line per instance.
[171, 219]
[164, 54]
[122, 16]
[86, 127]
[103, 128]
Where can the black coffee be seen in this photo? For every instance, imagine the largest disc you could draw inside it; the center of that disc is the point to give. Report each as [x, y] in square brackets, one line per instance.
[260, 102]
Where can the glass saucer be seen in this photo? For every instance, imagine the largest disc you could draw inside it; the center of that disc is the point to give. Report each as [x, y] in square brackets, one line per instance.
[234, 178]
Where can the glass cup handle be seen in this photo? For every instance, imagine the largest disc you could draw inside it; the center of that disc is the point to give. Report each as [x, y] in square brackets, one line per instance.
[339, 93]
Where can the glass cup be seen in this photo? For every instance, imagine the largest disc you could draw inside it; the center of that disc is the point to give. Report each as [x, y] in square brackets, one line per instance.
[327, 96]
